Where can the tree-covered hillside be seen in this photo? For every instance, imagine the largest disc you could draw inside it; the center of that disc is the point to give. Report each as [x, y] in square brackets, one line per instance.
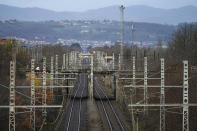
[83, 30]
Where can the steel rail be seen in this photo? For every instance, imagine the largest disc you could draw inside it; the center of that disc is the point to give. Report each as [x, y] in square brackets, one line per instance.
[106, 115]
[71, 109]
[112, 108]
[79, 119]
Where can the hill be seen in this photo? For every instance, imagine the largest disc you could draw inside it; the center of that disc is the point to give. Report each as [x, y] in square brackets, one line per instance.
[138, 13]
[51, 31]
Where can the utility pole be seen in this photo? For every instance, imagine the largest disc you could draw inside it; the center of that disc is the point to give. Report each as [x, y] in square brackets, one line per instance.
[41, 50]
[44, 95]
[64, 61]
[134, 49]
[185, 97]
[137, 115]
[133, 95]
[132, 33]
[12, 87]
[92, 77]
[119, 62]
[162, 97]
[14, 50]
[122, 34]
[32, 52]
[12, 97]
[67, 61]
[113, 60]
[52, 76]
[37, 52]
[134, 76]
[56, 74]
[106, 65]
[32, 110]
[145, 84]
[72, 59]
[56, 69]
[75, 60]
[102, 60]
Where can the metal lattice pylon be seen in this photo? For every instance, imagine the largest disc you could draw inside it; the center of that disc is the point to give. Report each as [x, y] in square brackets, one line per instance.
[122, 35]
[32, 110]
[92, 77]
[119, 63]
[113, 60]
[12, 97]
[185, 98]
[64, 62]
[162, 97]
[134, 82]
[56, 69]
[67, 61]
[51, 76]
[133, 98]
[145, 83]
[162, 104]
[44, 95]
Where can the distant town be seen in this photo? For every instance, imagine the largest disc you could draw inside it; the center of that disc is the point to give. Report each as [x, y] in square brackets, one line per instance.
[85, 33]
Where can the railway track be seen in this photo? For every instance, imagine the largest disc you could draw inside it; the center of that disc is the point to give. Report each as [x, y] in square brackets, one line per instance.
[74, 117]
[111, 120]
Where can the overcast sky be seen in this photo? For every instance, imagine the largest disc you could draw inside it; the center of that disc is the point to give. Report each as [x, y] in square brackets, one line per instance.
[83, 5]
